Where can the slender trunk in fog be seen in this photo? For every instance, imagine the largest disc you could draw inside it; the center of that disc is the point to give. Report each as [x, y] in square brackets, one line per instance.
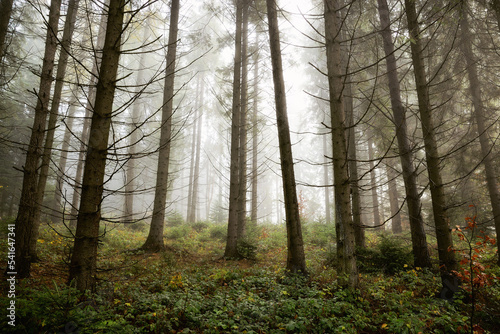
[443, 233]
[255, 141]
[393, 199]
[373, 185]
[154, 241]
[231, 250]
[480, 116]
[242, 195]
[419, 244]
[296, 262]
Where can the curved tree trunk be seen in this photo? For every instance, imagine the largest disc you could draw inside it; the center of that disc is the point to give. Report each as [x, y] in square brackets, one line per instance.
[420, 252]
[154, 242]
[296, 262]
[28, 205]
[84, 259]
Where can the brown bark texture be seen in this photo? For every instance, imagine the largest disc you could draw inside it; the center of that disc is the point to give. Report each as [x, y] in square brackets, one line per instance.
[447, 260]
[154, 241]
[83, 264]
[25, 221]
[296, 262]
[343, 215]
[419, 243]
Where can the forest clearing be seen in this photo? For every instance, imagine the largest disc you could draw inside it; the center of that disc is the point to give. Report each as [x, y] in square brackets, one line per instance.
[191, 289]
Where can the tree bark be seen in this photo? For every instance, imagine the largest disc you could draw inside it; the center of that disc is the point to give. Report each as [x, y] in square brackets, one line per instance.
[25, 222]
[419, 243]
[154, 242]
[84, 259]
[63, 158]
[6, 10]
[242, 195]
[373, 185]
[326, 181]
[481, 120]
[393, 199]
[343, 215]
[189, 215]
[196, 171]
[134, 139]
[84, 138]
[69, 26]
[359, 231]
[255, 142]
[231, 250]
[443, 233]
[296, 262]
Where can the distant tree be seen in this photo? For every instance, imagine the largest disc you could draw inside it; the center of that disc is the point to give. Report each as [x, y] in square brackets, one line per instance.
[83, 264]
[480, 117]
[154, 241]
[296, 262]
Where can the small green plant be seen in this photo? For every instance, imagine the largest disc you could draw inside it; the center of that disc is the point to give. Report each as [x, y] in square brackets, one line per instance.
[178, 232]
[218, 232]
[175, 219]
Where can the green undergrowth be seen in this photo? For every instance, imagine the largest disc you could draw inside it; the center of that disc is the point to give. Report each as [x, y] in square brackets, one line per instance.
[191, 289]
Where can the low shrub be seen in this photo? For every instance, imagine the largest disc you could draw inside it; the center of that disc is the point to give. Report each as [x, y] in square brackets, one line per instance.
[388, 255]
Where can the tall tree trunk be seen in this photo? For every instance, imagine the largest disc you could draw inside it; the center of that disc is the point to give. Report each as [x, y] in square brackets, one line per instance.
[154, 242]
[443, 233]
[255, 141]
[84, 138]
[134, 139]
[359, 231]
[6, 10]
[231, 250]
[481, 120]
[196, 172]
[69, 26]
[189, 215]
[393, 199]
[242, 195]
[25, 222]
[420, 252]
[296, 262]
[326, 181]
[343, 218]
[84, 259]
[63, 158]
[373, 185]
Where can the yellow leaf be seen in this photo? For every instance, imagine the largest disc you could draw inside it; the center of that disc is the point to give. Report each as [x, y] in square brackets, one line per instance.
[384, 326]
[127, 304]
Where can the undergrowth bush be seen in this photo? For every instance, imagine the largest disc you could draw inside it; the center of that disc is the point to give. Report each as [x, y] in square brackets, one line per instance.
[388, 255]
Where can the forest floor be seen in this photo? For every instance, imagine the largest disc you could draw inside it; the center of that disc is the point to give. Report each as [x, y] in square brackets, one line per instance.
[190, 289]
